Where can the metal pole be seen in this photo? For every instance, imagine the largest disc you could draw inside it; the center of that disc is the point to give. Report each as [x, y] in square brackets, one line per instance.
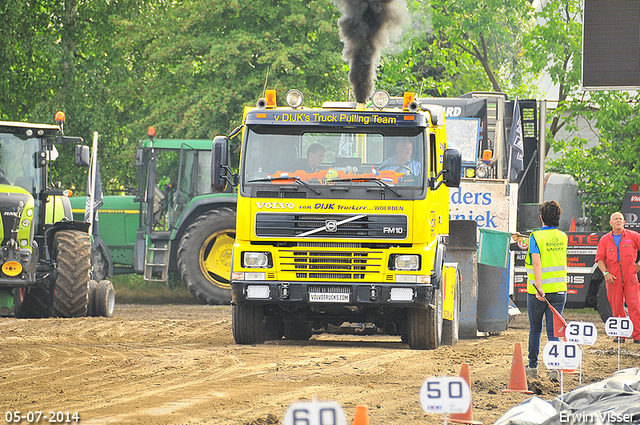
[92, 179]
[542, 152]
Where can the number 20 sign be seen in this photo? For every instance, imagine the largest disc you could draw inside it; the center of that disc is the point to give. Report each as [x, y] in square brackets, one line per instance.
[581, 333]
[618, 326]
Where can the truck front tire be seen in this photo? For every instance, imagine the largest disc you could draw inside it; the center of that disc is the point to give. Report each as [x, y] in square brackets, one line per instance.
[424, 325]
[248, 324]
[204, 256]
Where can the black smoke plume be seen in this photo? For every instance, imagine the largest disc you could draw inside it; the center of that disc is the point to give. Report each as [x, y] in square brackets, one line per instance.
[365, 29]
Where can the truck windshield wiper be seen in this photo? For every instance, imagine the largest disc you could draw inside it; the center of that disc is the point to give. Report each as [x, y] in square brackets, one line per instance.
[369, 179]
[295, 178]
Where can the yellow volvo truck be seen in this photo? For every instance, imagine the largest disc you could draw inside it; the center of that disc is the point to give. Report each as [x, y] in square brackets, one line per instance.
[342, 217]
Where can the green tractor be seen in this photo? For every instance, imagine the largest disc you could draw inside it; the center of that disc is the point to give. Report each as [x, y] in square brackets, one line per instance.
[174, 224]
[45, 255]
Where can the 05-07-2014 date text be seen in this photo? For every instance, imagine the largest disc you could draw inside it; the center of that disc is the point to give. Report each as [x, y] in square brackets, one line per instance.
[58, 417]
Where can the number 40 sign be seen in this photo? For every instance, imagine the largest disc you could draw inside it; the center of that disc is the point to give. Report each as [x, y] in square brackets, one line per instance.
[562, 355]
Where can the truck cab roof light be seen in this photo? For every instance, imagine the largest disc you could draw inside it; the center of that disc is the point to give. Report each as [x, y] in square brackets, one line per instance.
[294, 98]
[408, 99]
[270, 97]
[487, 156]
[60, 117]
[151, 131]
[380, 99]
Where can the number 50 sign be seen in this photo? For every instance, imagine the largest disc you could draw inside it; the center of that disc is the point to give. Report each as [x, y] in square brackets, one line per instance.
[448, 394]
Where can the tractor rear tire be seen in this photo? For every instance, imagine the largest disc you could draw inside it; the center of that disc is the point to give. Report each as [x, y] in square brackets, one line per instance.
[424, 325]
[451, 328]
[204, 256]
[248, 324]
[105, 299]
[72, 250]
[32, 303]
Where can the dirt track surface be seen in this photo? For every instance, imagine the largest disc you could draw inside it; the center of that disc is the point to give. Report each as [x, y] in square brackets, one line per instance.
[178, 364]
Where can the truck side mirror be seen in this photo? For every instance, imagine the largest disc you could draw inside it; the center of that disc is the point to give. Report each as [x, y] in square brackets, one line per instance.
[82, 155]
[452, 167]
[219, 161]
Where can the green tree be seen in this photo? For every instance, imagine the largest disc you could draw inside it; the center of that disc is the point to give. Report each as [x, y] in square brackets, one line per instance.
[554, 46]
[205, 60]
[462, 46]
[59, 56]
[187, 67]
[606, 171]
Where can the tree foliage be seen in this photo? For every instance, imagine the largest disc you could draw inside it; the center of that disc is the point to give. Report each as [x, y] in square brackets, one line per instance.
[554, 46]
[604, 172]
[462, 46]
[187, 67]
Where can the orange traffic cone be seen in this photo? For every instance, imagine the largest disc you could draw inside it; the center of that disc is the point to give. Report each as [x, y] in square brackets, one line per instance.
[518, 378]
[361, 417]
[572, 228]
[464, 418]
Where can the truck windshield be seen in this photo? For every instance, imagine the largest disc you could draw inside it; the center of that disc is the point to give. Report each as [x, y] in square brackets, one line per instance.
[326, 158]
[17, 163]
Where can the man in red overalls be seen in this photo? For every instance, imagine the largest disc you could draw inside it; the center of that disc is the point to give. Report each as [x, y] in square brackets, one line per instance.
[616, 258]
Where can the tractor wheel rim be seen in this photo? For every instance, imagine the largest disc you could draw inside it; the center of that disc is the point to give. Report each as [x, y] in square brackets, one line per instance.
[215, 258]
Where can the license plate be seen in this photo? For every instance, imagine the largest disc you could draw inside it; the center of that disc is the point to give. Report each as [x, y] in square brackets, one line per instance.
[328, 297]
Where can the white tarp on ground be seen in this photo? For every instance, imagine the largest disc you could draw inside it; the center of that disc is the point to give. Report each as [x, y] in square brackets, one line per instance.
[615, 400]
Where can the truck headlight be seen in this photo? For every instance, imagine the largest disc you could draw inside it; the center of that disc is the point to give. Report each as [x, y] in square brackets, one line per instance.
[255, 259]
[405, 262]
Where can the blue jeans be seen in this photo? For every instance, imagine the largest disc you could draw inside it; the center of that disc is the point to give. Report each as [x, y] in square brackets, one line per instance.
[537, 309]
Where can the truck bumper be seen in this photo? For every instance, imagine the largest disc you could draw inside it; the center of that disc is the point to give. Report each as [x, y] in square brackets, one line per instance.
[365, 294]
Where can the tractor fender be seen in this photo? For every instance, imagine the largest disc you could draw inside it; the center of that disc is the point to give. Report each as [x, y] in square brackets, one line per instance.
[50, 232]
[97, 240]
[198, 206]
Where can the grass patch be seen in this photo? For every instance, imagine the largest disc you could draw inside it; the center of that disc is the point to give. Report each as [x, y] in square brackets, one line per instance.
[133, 289]
[581, 311]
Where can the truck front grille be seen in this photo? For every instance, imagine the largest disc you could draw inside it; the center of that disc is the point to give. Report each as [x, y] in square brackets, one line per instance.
[361, 226]
[331, 264]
